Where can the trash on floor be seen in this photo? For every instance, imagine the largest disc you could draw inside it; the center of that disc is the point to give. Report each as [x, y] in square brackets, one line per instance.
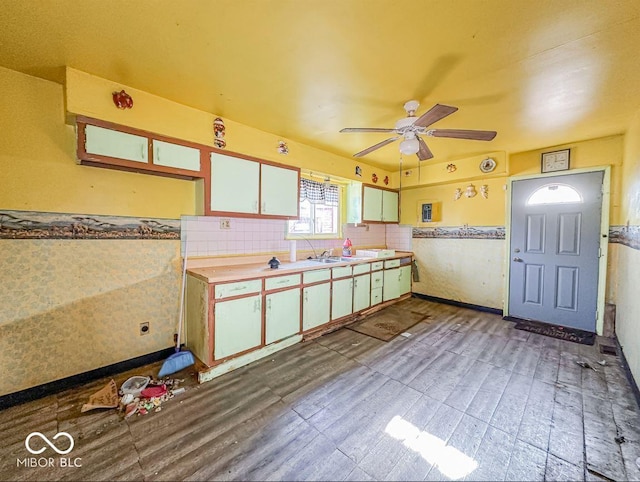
[585, 364]
[106, 397]
[138, 395]
[620, 439]
[406, 334]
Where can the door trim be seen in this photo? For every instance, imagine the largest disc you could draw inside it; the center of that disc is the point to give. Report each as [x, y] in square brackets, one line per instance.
[604, 234]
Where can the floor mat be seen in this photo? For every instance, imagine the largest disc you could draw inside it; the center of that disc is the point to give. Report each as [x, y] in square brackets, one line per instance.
[555, 331]
[388, 323]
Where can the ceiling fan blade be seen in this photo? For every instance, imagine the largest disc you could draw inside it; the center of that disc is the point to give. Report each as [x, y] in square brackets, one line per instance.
[366, 129]
[437, 112]
[464, 134]
[424, 152]
[376, 146]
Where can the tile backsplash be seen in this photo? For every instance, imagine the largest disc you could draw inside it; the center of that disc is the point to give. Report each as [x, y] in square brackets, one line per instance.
[206, 236]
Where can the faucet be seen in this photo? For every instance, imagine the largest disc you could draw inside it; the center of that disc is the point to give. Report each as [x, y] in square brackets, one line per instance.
[325, 254]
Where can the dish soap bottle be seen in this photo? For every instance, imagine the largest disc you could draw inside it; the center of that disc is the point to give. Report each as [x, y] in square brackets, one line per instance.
[346, 248]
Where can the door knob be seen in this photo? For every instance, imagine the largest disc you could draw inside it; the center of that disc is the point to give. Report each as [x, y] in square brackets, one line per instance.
[519, 260]
[517, 250]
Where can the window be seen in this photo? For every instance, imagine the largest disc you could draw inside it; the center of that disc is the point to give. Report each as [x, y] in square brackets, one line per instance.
[554, 194]
[319, 210]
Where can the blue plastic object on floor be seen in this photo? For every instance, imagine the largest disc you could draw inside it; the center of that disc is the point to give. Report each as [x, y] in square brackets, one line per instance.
[176, 362]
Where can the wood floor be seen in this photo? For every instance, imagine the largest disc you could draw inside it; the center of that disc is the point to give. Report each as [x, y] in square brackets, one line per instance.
[465, 397]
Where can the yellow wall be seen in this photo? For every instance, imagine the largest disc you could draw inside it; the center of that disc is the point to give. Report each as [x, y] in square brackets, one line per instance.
[38, 167]
[91, 96]
[627, 276]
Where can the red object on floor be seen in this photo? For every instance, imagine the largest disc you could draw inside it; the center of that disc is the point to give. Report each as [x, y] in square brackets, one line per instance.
[154, 392]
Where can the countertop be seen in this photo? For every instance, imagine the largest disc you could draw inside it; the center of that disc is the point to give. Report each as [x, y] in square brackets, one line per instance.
[233, 272]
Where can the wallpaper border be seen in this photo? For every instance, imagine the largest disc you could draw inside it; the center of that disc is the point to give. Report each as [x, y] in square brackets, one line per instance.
[461, 232]
[43, 225]
[626, 235]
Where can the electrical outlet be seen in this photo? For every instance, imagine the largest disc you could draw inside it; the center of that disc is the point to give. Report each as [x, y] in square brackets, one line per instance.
[144, 328]
[225, 224]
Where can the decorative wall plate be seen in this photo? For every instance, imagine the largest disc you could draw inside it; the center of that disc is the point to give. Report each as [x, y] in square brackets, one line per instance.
[487, 165]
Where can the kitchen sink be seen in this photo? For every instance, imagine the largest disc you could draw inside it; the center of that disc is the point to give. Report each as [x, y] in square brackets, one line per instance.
[325, 260]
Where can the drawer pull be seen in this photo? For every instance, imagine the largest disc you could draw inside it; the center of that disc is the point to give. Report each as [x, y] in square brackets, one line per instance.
[239, 288]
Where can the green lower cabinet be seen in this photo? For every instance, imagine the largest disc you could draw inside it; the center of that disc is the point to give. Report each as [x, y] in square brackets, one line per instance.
[238, 326]
[316, 301]
[361, 292]
[405, 280]
[342, 298]
[282, 315]
[391, 286]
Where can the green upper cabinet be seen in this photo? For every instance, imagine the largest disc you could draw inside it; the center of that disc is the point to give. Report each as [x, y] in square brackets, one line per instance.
[371, 204]
[176, 156]
[389, 206]
[115, 144]
[250, 187]
[235, 184]
[378, 205]
[279, 191]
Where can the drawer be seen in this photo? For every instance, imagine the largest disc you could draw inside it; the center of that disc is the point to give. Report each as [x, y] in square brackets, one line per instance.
[376, 296]
[361, 268]
[316, 275]
[377, 265]
[341, 272]
[377, 280]
[277, 282]
[236, 289]
[392, 263]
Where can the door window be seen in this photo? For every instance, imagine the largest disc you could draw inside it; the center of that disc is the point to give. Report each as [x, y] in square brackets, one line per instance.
[554, 194]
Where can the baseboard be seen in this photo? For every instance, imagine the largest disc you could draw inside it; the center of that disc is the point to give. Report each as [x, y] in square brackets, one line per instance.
[627, 371]
[57, 386]
[460, 304]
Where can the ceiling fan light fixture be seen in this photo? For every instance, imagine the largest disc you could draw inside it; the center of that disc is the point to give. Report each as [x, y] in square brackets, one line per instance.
[409, 146]
[411, 106]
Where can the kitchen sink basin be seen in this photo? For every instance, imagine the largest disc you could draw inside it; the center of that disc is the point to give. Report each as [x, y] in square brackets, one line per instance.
[325, 260]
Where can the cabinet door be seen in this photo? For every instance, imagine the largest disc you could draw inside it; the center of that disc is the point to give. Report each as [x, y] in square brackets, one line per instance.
[282, 315]
[173, 155]
[372, 204]
[315, 305]
[405, 279]
[342, 298]
[238, 325]
[279, 188]
[390, 206]
[234, 184]
[391, 286]
[354, 202]
[120, 145]
[361, 292]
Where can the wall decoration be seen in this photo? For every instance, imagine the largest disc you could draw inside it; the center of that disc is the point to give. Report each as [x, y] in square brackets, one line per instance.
[487, 165]
[386, 180]
[283, 148]
[122, 100]
[218, 132]
[457, 194]
[358, 171]
[555, 161]
[484, 191]
[451, 167]
[41, 225]
[374, 178]
[470, 191]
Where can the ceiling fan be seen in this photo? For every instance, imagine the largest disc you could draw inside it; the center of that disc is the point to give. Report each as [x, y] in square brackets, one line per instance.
[411, 127]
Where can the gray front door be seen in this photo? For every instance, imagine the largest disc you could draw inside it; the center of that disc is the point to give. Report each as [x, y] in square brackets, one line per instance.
[554, 249]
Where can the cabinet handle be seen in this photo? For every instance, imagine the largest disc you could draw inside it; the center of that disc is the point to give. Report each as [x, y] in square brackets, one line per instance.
[238, 288]
[255, 206]
[355, 283]
[256, 305]
[282, 281]
[264, 206]
[142, 146]
[306, 296]
[269, 304]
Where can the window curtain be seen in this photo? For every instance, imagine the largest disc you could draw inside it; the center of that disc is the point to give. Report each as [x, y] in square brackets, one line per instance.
[318, 192]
